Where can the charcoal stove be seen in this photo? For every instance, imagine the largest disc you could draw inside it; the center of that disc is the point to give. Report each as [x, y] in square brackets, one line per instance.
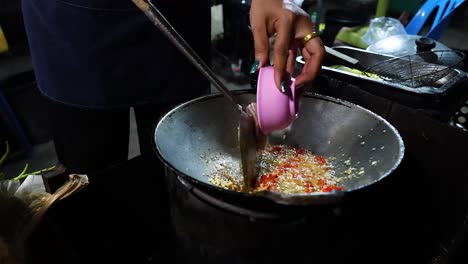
[370, 227]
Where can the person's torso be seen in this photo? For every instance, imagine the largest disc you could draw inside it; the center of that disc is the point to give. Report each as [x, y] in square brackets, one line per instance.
[107, 53]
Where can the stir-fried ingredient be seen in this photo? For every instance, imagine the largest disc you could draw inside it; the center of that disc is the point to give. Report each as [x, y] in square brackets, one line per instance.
[289, 170]
[295, 170]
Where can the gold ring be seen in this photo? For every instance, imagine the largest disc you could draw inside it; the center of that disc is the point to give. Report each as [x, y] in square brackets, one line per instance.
[309, 37]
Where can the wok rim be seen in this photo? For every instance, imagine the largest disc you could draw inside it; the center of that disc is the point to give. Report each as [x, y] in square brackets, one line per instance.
[277, 197]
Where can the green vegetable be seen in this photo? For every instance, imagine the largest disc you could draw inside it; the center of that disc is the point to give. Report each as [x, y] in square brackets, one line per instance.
[24, 172]
[5, 156]
[355, 71]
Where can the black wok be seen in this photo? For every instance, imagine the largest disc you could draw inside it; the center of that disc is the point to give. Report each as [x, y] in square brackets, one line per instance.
[195, 137]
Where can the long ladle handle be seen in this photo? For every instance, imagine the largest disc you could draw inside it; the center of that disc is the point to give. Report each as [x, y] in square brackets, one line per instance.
[161, 22]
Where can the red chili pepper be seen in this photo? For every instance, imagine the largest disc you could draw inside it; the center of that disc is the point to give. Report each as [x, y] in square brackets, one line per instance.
[320, 160]
[332, 187]
[269, 181]
[300, 151]
[309, 187]
[321, 183]
[277, 148]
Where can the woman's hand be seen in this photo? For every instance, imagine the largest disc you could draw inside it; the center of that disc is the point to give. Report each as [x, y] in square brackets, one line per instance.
[269, 17]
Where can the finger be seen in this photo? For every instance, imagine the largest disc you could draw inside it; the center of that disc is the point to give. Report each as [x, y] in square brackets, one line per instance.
[291, 61]
[305, 54]
[312, 66]
[281, 47]
[261, 42]
[305, 57]
[303, 26]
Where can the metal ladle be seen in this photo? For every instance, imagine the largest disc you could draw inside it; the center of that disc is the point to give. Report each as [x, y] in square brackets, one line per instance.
[248, 136]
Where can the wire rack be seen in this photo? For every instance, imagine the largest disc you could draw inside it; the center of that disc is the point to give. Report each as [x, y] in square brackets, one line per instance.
[417, 70]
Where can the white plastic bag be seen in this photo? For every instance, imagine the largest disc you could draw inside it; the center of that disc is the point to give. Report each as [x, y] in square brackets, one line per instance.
[382, 27]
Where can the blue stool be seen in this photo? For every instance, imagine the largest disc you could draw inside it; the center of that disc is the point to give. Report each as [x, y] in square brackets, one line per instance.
[13, 126]
[444, 10]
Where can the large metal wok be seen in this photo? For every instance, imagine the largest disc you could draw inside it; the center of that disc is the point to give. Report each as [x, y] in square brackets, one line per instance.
[195, 137]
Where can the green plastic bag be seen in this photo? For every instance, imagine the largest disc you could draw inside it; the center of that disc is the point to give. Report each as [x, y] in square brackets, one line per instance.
[353, 36]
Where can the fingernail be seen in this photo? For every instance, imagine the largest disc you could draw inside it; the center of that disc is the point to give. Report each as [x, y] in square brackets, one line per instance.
[254, 67]
[253, 81]
[283, 87]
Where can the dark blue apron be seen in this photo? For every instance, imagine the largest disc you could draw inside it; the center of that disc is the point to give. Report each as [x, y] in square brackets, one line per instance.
[106, 53]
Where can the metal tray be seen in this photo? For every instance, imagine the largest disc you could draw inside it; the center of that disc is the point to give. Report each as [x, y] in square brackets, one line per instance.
[368, 59]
